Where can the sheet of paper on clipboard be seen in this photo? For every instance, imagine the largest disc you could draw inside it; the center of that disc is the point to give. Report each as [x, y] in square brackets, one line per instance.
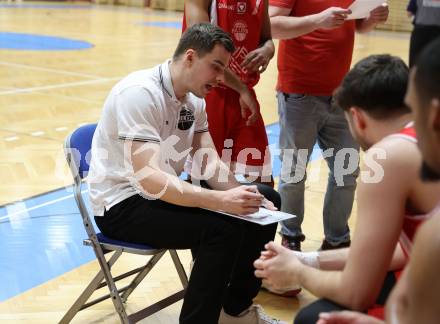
[263, 216]
[362, 8]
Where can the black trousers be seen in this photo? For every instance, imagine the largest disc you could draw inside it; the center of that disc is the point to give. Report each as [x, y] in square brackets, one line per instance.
[310, 313]
[420, 37]
[223, 273]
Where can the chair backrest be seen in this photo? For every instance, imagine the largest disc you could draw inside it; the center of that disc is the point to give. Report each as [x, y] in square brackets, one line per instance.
[77, 149]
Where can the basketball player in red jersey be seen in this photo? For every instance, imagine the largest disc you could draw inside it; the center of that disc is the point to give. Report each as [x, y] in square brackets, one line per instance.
[415, 297]
[391, 196]
[234, 118]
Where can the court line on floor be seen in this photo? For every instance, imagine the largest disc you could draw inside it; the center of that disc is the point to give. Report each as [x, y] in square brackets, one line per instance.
[47, 203]
[125, 41]
[58, 86]
[34, 135]
[141, 10]
[38, 68]
[85, 100]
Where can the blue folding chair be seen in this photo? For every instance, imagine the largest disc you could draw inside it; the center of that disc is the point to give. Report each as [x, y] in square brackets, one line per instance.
[77, 151]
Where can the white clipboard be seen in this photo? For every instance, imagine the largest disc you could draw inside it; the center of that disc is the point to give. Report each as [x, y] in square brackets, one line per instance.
[263, 216]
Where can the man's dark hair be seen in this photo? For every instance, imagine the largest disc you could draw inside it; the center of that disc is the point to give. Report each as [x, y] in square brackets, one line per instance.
[202, 38]
[377, 84]
[427, 73]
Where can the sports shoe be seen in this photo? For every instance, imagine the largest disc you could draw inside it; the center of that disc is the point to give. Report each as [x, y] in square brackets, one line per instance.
[326, 245]
[283, 293]
[292, 243]
[253, 315]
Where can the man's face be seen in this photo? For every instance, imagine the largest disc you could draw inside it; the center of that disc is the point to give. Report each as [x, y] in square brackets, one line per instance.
[208, 71]
[427, 138]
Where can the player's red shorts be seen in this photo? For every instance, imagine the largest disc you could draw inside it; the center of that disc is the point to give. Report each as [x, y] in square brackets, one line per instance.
[225, 122]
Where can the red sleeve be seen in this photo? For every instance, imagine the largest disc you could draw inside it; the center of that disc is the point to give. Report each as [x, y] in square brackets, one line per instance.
[282, 3]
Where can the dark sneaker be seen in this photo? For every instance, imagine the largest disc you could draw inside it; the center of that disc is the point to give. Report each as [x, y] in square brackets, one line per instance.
[283, 293]
[292, 243]
[326, 245]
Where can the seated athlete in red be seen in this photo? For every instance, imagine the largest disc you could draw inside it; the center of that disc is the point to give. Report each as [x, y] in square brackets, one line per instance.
[390, 193]
[416, 295]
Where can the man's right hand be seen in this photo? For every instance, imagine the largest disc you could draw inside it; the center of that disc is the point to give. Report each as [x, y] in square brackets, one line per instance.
[241, 200]
[332, 17]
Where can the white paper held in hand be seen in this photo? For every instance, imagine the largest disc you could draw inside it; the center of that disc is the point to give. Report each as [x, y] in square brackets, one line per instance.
[263, 216]
[362, 8]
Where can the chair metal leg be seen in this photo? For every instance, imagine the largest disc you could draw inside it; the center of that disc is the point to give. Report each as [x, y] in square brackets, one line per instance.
[82, 298]
[141, 275]
[119, 306]
[114, 294]
[85, 295]
[179, 267]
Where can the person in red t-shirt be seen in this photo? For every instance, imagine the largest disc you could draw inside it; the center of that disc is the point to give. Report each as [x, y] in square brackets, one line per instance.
[315, 51]
[234, 118]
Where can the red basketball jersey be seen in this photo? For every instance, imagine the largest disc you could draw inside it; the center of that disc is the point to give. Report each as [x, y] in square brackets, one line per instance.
[411, 222]
[243, 20]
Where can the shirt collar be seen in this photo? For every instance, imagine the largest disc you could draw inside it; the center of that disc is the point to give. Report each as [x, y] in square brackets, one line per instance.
[167, 84]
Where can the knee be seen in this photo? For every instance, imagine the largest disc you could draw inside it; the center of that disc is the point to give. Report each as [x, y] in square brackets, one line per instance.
[223, 232]
[306, 315]
[310, 313]
[270, 194]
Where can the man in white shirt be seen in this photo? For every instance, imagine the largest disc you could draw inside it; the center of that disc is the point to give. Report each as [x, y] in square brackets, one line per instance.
[151, 121]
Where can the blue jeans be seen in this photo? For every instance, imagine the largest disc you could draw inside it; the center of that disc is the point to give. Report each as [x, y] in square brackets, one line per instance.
[304, 120]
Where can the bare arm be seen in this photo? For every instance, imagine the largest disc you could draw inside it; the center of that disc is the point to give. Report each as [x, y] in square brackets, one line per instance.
[196, 11]
[380, 210]
[258, 59]
[336, 259]
[145, 159]
[416, 295]
[216, 173]
[287, 27]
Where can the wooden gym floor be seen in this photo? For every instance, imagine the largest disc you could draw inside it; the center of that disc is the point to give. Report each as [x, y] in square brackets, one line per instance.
[45, 94]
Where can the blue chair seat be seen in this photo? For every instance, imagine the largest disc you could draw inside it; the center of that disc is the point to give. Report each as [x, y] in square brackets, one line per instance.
[106, 240]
